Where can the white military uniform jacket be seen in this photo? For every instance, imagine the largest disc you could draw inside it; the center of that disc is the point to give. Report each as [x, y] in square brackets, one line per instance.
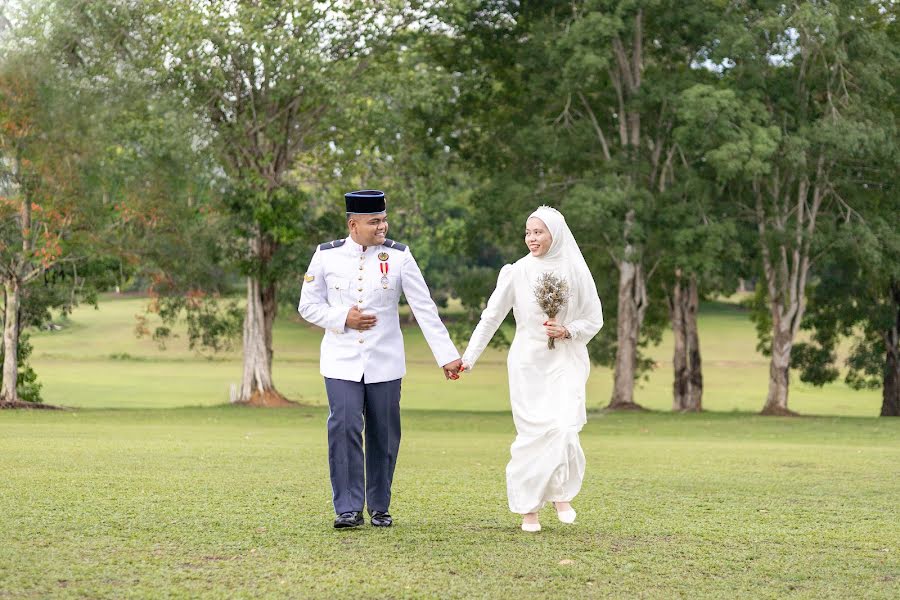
[341, 275]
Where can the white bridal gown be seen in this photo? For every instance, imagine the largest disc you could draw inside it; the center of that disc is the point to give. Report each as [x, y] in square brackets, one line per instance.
[546, 387]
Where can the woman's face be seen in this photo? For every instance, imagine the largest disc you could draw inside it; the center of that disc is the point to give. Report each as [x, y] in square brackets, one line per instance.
[537, 237]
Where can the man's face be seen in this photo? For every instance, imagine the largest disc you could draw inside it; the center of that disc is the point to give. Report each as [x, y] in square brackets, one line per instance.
[368, 230]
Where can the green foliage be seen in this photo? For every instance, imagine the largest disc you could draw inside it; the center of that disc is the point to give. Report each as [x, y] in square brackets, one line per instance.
[732, 134]
[280, 213]
[227, 133]
[140, 184]
[403, 138]
[817, 361]
[267, 93]
[865, 365]
[758, 304]
[56, 222]
[856, 296]
[805, 107]
[211, 324]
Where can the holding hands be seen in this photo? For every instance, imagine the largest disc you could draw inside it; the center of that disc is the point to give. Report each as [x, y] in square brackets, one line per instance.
[453, 369]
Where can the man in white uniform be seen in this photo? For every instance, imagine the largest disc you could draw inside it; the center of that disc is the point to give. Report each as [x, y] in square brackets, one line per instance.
[352, 289]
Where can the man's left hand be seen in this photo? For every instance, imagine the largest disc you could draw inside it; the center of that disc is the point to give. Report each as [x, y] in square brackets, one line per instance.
[451, 369]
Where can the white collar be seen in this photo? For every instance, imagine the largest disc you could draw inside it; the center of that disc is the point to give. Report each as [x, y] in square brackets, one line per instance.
[351, 245]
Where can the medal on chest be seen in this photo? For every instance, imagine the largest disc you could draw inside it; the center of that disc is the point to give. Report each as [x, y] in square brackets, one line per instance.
[384, 271]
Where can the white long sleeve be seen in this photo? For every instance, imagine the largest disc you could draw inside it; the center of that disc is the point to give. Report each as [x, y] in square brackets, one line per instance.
[314, 305]
[498, 306]
[419, 298]
[585, 328]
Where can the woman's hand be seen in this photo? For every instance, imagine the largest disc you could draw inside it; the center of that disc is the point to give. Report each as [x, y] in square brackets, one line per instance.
[555, 330]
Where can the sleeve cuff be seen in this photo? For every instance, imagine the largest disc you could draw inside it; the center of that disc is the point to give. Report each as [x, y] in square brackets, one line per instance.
[338, 319]
[447, 359]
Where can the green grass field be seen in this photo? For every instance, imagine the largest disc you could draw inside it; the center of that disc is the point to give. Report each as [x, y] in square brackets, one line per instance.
[230, 502]
[153, 489]
[82, 366]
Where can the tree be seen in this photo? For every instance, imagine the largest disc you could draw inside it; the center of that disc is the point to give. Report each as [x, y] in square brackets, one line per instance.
[401, 138]
[856, 295]
[260, 84]
[100, 184]
[579, 111]
[795, 111]
[47, 221]
[626, 64]
[701, 260]
[268, 81]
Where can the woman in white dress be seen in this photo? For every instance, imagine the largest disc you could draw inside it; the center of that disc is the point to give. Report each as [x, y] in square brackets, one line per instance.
[546, 386]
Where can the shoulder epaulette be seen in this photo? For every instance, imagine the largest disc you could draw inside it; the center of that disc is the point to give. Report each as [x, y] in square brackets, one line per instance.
[330, 245]
[394, 245]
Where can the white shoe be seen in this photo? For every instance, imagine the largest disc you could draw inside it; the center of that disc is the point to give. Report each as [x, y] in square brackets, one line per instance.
[566, 516]
[531, 527]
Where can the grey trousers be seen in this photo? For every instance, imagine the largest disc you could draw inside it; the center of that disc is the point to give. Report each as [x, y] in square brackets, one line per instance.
[362, 478]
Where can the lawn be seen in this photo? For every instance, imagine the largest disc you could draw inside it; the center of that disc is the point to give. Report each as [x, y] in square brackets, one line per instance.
[153, 488]
[96, 362]
[231, 502]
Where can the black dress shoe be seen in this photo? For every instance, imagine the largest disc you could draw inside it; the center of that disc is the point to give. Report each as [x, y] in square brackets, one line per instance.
[348, 519]
[381, 519]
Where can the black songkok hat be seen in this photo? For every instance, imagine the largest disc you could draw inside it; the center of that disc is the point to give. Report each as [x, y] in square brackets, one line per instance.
[365, 202]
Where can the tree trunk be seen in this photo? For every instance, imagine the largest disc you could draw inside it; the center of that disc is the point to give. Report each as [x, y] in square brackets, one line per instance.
[890, 406]
[270, 311]
[779, 373]
[257, 388]
[786, 266]
[680, 381]
[8, 391]
[632, 308]
[695, 364]
[687, 386]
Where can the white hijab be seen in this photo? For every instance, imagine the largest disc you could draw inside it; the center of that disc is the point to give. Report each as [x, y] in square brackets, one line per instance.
[565, 260]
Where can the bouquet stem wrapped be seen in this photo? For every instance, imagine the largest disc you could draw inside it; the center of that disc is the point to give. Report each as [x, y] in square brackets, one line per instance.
[551, 293]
